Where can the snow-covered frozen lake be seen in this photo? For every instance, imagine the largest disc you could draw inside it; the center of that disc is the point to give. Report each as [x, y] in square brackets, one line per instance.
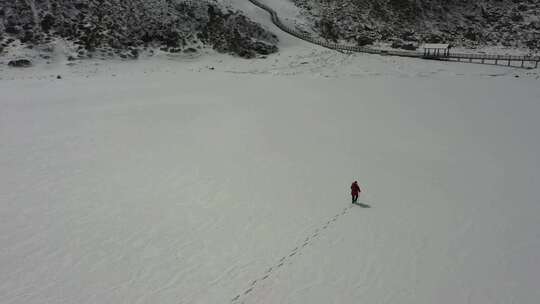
[179, 186]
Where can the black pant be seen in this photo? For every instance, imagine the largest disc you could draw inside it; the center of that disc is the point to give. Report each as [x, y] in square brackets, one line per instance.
[354, 198]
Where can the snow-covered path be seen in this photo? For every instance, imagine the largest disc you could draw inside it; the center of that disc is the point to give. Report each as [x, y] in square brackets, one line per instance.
[288, 13]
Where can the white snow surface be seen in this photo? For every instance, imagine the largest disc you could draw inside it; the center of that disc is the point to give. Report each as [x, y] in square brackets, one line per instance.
[222, 180]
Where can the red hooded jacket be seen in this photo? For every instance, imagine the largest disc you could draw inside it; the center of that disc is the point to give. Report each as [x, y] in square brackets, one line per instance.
[355, 189]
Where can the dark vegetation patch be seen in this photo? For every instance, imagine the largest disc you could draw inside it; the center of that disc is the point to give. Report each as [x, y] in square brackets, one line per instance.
[122, 27]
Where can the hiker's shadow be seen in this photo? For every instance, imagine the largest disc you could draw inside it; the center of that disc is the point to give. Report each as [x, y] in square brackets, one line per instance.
[362, 205]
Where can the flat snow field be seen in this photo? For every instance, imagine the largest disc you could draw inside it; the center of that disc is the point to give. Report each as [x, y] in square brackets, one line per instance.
[163, 182]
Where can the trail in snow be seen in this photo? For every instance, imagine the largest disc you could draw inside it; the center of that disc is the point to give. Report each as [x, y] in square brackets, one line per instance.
[284, 259]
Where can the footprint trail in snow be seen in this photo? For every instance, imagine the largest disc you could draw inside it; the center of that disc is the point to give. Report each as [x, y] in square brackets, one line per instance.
[239, 298]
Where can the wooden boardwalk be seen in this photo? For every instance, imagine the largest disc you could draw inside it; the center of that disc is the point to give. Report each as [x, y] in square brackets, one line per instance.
[507, 60]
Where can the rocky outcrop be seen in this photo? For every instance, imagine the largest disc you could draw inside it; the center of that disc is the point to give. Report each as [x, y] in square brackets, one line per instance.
[231, 31]
[20, 63]
[513, 23]
[122, 28]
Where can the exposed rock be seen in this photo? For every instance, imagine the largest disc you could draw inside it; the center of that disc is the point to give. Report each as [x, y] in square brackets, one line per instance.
[12, 29]
[232, 32]
[134, 53]
[264, 48]
[20, 63]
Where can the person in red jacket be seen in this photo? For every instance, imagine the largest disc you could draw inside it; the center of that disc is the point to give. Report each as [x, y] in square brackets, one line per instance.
[355, 191]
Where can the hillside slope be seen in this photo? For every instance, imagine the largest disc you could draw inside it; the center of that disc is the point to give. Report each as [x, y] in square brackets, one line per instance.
[465, 23]
[124, 28]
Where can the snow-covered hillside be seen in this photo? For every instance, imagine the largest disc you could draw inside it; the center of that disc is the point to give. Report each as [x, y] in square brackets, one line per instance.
[406, 23]
[215, 179]
[116, 28]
